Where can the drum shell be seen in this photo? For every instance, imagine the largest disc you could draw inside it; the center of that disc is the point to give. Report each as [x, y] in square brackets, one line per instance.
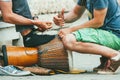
[20, 56]
[56, 56]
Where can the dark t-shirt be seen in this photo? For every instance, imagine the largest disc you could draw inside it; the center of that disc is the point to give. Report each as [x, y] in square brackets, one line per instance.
[21, 7]
[112, 19]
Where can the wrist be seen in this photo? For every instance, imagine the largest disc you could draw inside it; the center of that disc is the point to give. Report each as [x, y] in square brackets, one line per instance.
[33, 22]
[36, 22]
[72, 29]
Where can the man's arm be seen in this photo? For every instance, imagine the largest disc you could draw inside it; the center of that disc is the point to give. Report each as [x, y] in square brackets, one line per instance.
[74, 14]
[10, 17]
[96, 22]
[71, 16]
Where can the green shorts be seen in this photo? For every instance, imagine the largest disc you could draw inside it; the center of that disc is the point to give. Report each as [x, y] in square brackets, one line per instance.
[98, 36]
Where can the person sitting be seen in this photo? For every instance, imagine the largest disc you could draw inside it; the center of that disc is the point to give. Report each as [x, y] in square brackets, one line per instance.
[100, 35]
[17, 12]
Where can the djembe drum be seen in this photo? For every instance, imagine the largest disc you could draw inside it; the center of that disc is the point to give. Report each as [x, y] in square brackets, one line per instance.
[51, 55]
[55, 56]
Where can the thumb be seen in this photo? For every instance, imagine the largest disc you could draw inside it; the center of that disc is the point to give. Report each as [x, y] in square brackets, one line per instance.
[61, 14]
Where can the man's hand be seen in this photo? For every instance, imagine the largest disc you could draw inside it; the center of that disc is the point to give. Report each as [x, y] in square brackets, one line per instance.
[59, 19]
[64, 32]
[42, 26]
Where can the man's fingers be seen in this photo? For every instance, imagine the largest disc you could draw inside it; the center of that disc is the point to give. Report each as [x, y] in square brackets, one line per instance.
[41, 30]
[61, 23]
[62, 13]
[61, 35]
[57, 18]
[49, 23]
[58, 21]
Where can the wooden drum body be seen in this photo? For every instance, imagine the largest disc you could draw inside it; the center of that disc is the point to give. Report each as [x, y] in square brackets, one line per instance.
[55, 56]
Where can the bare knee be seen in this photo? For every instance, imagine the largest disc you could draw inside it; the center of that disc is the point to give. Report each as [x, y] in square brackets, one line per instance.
[69, 41]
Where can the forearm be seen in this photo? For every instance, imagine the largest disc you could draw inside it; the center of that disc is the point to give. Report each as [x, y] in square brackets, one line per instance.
[17, 19]
[89, 24]
[70, 17]
[74, 14]
[96, 22]
[11, 17]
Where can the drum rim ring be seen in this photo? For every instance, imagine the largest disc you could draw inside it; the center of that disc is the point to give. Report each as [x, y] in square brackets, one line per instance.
[5, 58]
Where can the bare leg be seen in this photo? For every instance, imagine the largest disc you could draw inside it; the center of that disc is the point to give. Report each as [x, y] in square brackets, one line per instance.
[70, 43]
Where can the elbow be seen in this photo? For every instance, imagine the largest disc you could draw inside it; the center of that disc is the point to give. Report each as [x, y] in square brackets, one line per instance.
[99, 23]
[7, 18]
